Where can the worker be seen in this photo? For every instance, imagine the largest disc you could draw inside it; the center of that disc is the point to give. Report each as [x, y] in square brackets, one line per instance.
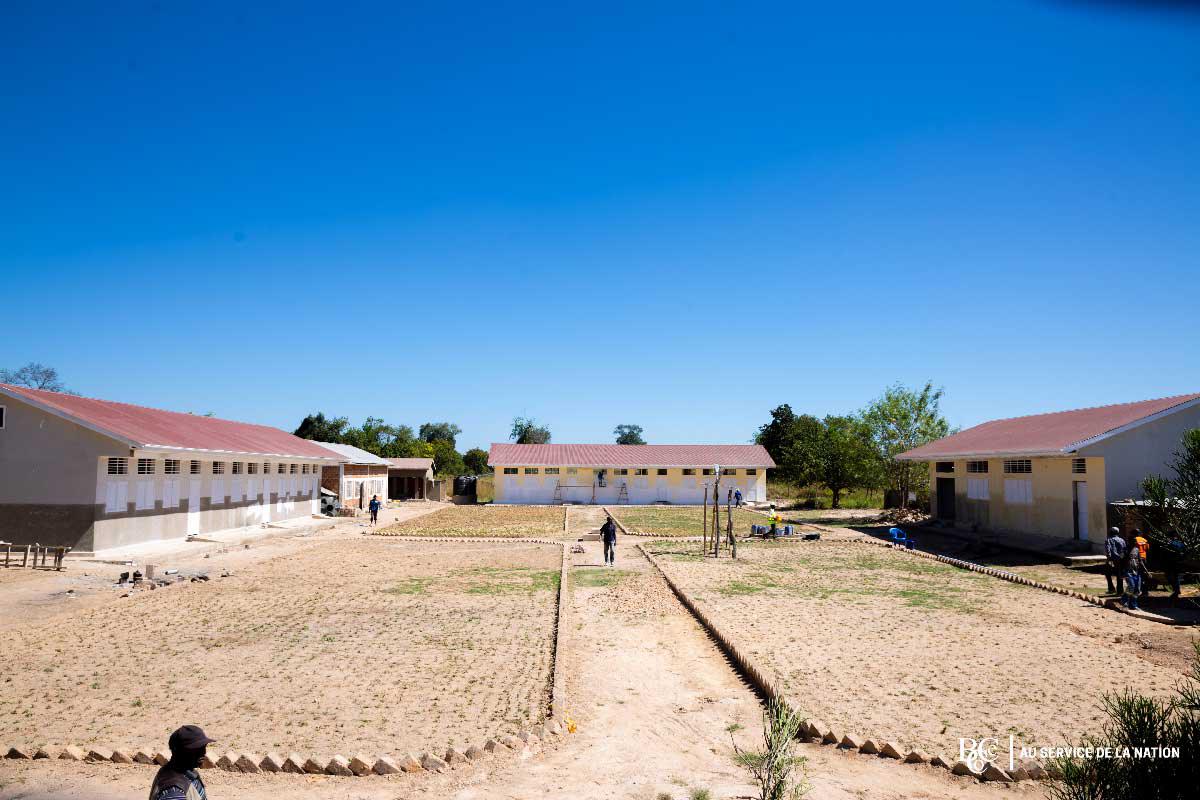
[179, 779]
[737, 497]
[1115, 551]
[1143, 546]
[608, 534]
[1134, 572]
[374, 507]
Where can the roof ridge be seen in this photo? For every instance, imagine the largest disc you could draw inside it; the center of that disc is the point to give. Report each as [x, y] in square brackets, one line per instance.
[1182, 398]
[23, 389]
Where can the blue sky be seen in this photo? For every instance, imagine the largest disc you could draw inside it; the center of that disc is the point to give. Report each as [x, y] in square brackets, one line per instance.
[675, 215]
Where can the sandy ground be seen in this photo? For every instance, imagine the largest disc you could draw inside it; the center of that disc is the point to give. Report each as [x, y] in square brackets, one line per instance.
[681, 520]
[652, 698]
[487, 520]
[886, 645]
[332, 645]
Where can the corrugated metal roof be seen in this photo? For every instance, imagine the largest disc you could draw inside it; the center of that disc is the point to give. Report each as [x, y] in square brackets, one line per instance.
[354, 454]
[411, 463]
[1042, 434]
[152, 427]
[630, 455]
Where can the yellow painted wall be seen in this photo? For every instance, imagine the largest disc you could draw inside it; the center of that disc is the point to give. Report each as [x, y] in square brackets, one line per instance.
[1050, 514]
[583, 477]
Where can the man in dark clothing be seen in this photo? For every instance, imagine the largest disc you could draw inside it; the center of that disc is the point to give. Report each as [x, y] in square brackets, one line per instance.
[178, 778]
[1114, 564]
[374, 507]
[1134, 569]
[737, 498]
[608, 534]
[1171, 557]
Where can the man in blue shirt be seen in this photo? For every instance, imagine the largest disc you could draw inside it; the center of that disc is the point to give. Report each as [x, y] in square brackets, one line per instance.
[374, 506]
[179, 779]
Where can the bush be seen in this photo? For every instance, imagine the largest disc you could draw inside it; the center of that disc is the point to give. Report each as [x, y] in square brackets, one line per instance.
[1137, 721]
[774, 767]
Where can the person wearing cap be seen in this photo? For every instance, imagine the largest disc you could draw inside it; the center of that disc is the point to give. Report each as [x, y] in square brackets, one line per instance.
[179, 778]
[608, 534]
[1114, 563]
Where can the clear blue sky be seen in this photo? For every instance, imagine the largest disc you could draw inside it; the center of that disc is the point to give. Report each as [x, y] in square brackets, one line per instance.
[675, 215]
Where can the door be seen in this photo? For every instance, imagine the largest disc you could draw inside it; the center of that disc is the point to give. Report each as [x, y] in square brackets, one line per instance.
[1081, 510]
[945, 498]
[193, 518]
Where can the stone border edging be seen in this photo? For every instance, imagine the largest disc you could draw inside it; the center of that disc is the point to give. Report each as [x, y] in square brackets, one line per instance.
[522, 743]
[823, 734]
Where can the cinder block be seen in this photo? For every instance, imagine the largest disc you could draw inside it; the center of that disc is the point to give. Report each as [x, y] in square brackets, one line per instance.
[339, 765]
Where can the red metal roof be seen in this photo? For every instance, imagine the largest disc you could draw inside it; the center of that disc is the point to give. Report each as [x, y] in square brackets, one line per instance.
[410, 463]
[1042, 434]
[630, 455]
[151, 427]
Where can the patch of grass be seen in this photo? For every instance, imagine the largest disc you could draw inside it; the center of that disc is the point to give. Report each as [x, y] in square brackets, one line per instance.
[600, 578]
[680, 520]
[494, 580]
[409, 586]
[700, 793]
[753, 584]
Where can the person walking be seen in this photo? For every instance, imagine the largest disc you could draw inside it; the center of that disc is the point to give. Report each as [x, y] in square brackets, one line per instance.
[608, 535]
[374, 507]
[737, 498]
[1143, 547]
[1134, 569]
[1114, 563]
[179, 779]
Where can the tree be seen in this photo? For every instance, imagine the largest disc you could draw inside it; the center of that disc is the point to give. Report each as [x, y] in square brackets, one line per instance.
[439, 432]
[319, 428]
[1172, 505]
[899, 420]
[629, 434]
[526, 431]
[843, 457]
[476, 460]
[35, 376]
[793, 442]
[446, 460]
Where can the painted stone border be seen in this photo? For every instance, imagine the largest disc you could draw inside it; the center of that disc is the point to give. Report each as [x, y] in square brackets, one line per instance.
[524, 743]
[823, 734]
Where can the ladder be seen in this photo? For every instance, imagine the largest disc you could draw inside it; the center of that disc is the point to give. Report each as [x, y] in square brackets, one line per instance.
[623, 495]
[558, 491]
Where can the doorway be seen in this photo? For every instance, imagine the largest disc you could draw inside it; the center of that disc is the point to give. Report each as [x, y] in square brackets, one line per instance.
[945, 498]
[1081, 510]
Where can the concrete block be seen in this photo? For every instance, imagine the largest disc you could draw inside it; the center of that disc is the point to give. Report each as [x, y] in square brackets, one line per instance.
[271, 762]
[962, 768]
[941, 761]
[294, 763]
[816, 729]
[228, 762]
[19, 753]
[494, 747]
[1033, 768]
[993, 773]
[73, 753]
[41, 754]
[512, 742]
[410, 763]
[247, 762]
[474, 752]
[313, 767]
[454, 756]
[869, 747]
[360, 766]
[339, 765]
[830, 736]
[889, 750]
[386, 765]
[206, 762]
[433, 764]
[916, 757]
[850, 742]
[99, 754]
[121, 757]
[143, 757]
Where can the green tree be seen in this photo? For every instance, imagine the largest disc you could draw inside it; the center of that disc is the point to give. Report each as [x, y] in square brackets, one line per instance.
[629, 434]
[1172, 504]
[899, 420]
[476, 460]
[843, 456]
[440, 432]
[793, 442]
[320, 428]
[35, 376]
[446, 460]
[526, 431]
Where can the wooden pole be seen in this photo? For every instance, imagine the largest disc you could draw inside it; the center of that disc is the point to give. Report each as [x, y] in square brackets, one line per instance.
[716, 512]
[704, 543]
[729, 527]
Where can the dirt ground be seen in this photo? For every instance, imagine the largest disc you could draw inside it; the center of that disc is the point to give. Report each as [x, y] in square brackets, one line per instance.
[886, 645]
[483, 521]
[651, 695]
[346, 644]
[680, 520]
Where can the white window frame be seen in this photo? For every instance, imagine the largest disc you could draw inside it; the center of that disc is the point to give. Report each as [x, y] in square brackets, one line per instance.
[145, 466]
[194, 467]
[977, 467]
[121, 466]
[641, 471]
[531, 470]
[239, 468]
[292, 469]
[218, 468]
[978, 489]
[510, 470]
[1079, 466]
[1018, 492]
[1018, 466]
[621, 471]
[551, 470]
[171, 467]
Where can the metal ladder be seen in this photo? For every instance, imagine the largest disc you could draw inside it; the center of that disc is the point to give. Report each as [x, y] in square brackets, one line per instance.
[623, 495]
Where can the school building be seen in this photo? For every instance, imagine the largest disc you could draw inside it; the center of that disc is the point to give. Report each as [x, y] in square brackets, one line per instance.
[638, 474]
[95, 474]
[1053, 475]
[357, 477]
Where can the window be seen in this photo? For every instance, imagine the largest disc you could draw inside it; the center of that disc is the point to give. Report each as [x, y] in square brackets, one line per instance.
[751, 472]
[551, 470]
[171, 466]
[689, 472]
[977, 489]
[118, 466]
[531, 470]
[252, 468]
[194, 468]
[304, 469]
[145, 466]
[218, 468]
[292, 469]
[730, 472]
[572, 471]
[977, 466]
[266, 468]
[1079, 466]
[238, 468]
[621, 471]
[945, 466]
[510, 470]
[641, 472]
[662, 472]
[1018, 466]
[316, 468]
[281, 469]
[708, 472]
[1018, 492]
